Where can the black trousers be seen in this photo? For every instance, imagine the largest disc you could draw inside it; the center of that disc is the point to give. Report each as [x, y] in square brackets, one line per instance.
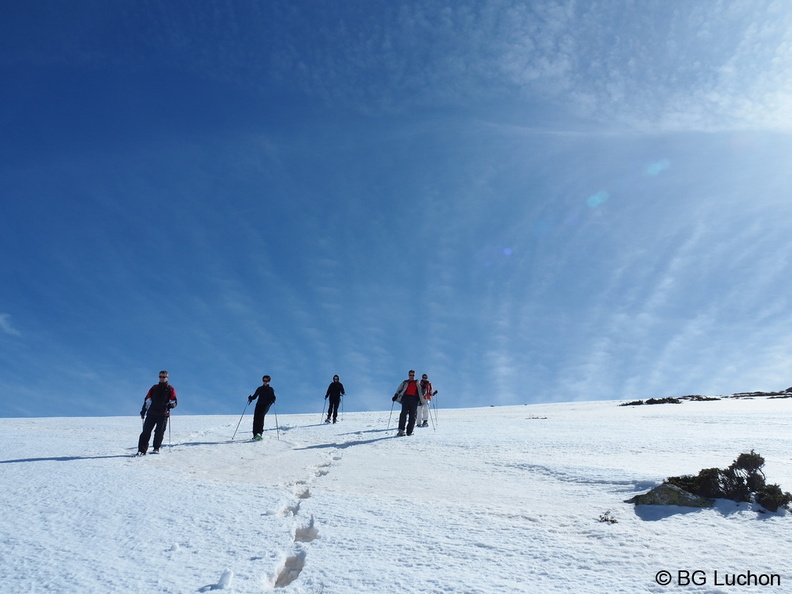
[333, 407]
[261, 411]
[160, 422]
[408, 412]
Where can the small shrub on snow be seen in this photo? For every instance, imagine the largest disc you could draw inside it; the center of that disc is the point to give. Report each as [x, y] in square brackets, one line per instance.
[771, 498]
[750, 463]
[608, 518]
[668, 400]
[743, 481]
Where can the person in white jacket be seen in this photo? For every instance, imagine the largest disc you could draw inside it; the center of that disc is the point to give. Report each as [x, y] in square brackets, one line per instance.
[426, 401]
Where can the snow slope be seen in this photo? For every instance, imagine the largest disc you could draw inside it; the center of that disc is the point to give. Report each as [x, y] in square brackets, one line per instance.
[490, 500]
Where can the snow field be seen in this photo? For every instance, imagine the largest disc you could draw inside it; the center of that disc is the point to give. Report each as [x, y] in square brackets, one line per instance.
[490, 500]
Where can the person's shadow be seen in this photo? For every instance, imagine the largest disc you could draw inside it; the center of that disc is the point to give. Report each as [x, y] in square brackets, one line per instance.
[342, 446]
[63, 459]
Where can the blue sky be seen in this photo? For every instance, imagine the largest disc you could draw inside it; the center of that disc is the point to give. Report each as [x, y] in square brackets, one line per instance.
[529, 201]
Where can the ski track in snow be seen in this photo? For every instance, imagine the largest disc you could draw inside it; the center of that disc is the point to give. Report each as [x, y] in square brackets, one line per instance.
[492, 500]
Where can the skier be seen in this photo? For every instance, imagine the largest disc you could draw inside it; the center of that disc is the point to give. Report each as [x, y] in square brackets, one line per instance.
[266, 398]
[409, 395]
[334, 392]
[159, 401]
[426, 401]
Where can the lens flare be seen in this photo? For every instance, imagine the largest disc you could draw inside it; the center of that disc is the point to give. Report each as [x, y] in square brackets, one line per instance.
[598, 199]
[658, 167]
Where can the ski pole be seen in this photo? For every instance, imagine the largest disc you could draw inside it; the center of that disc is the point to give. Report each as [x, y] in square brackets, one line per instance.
[277, 427]
[170, 428]
[390, 415]
[323, 409]
[244, 410]
[435, 406]
[342, 407]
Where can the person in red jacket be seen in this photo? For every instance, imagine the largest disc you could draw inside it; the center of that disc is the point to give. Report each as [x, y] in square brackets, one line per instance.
[409, 395]
[159, 401]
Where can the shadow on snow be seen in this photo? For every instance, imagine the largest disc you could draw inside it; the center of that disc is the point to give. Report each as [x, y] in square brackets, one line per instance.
[63, 459]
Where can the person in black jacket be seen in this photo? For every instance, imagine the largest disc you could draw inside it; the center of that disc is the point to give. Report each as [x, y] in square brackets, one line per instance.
[159, 401]
[266, 397]
[334, 392]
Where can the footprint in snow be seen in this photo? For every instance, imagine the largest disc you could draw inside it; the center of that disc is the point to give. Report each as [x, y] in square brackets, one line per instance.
[290, 510]
[224, 583]
[306, 533]
[291, 570]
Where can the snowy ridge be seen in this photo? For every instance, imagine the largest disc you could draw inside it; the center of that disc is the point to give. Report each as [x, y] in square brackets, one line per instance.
[504, 499]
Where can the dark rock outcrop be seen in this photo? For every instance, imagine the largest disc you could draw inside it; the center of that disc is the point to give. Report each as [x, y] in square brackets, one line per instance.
[667, 494]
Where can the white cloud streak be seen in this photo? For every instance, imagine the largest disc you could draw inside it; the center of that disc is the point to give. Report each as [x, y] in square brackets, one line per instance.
[6, 325]
[650, 66]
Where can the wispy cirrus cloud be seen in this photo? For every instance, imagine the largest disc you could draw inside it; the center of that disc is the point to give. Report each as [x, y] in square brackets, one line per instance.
[6, 325]
[653, 66]
[648, 66]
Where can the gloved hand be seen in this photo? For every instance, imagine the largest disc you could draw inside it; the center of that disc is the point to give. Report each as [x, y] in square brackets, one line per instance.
[172, 404]
[325, 396]
[143, 413]
[250, 399]
[394, 398]
[420, 403]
